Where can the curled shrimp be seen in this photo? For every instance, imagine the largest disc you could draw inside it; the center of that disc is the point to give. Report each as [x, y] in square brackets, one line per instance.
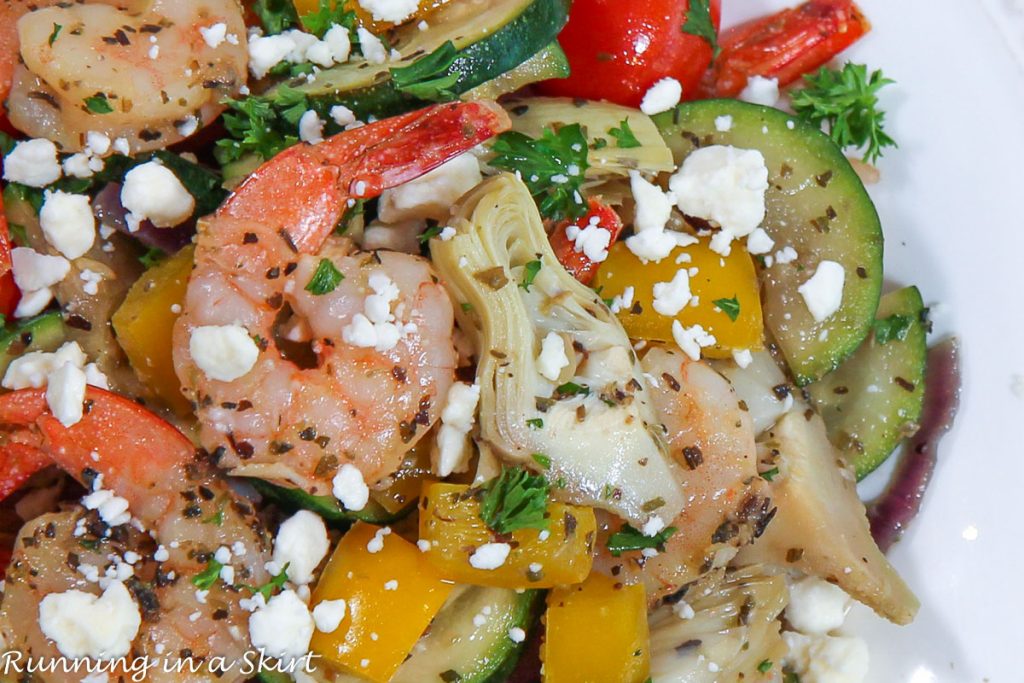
[149, 62]
[712, 437]
[296, 419]
[183, 514]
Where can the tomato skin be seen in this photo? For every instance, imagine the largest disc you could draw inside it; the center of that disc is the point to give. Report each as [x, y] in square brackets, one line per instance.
[618, 49]
[576, 263]
[9, 294]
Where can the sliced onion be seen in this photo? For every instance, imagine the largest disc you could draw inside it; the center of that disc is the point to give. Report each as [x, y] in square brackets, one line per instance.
[109, 211]
[891, 512]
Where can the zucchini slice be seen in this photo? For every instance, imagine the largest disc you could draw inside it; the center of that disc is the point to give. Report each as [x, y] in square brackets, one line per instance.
[549, 63]
[327, 506]
[491, 38]
[874, 400]
[43, 333]
[817, 205]
[456, 649]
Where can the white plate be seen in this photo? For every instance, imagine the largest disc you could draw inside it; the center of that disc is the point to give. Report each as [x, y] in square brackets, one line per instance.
[951, 200]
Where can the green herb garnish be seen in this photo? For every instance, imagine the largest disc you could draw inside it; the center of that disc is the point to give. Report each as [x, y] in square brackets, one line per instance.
[731, 307]
[624, 135]
[276, 582]
[535, 423]
[152, 257]
[552, 166]
[205, 579]
[765, 666]
[328, 14]
[430, 77]
[275, 15]
[429, 234]
[53, 34]
[769, 475]
[98, 104]
[516, 499]
[699, 23]
[572, 389]
[847, 100]
[542, 460]
[326, 278]
[628, 538]
[530, 271]
[894, 327]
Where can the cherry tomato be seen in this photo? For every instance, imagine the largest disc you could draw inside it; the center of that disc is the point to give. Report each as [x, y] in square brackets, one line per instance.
[618, 49]
[9, 294]
[576, 262]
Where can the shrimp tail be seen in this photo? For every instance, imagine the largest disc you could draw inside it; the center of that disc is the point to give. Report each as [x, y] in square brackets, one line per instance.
[306, 188]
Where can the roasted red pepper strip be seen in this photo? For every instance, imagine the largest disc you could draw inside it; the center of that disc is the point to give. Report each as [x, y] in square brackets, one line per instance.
[785, 45]
[9, 294]
[579, 265]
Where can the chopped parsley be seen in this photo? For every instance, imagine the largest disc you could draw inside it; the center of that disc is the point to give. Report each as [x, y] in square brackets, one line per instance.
[515, 499]
[53, 34]
[326, 278]
[731, 307]
[699, 23]
[896, 326]
[769, 475]
[255, 128]
[624, 135]
[429, 234]
[328, 14]
[275, 15]
[98, 104]
[765, 666]
[572, 389]
[535, 423]
[542, 460]
[152, 257]
[628, 538]
[552, 166]
[430, 77]
[276, 582]
[847, 101]
[205, 579]
[530, 271]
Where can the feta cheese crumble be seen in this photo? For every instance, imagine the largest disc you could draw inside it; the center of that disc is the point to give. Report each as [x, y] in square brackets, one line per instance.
[301, 544]
[758, 242]
[327, 615]
[816, 606]
[490, 556]
[661, 96]
[726, 185]
[372, 47]
[376, 544]
[214, 35]
[651, 242]
[516, 634]
[33, 270]
[152, 191]
[68, 223]
[65, 394]
[592, 240]
[761, 90]
[349, 488]
[33, 163]
[827, 659]
[671, 297]
[311, 128]
[223, 352]
[456, 422]
[342, 115]
[283, 628]
[623, 302]
[723, 124]
[552, 358]
[823, 292]
[376, 327]
[392, 11]
[85, 625]
[691, 339]
[432, 194]
[65, 374]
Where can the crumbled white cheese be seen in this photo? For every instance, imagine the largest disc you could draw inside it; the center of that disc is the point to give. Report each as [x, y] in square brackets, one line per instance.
[372, 47]
[651, 242]
[349, 487]
[456, 421]
[592, 240]
[342, 115]
[376, 327]
[266, 52]
[758, 242]
[223, 352]
[691, 339]
[786, 255]
[671, 297]
[623, 302]
[742, 357]
[552, 358]
[311, 128]
[653, 526]
[376, 544]
[85, 625]
[152, 191]
[33, 270]
[327, 615]
[726, 185]
[662, 96]
[337, 42]
[214, 35]
[683, 610]
[392, 11]
[77, 165]
[391, 585]
[112, 509]
[432, 194]
[32, 162]
[301, 544]
[516, 634]
[33, 369]
[761, 90]
[68, 222]
[816, 606]
[97, 143]
[823, 292]
[33, 303]
[121, 146]
[283, 628]
[490, 556]
[65, 394]
[827, 659]
[723, 124]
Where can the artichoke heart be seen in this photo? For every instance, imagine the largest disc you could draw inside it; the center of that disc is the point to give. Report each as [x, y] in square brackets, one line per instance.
[591, 429]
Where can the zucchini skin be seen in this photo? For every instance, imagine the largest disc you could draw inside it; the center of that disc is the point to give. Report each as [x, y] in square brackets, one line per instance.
[45, 332]
[326, 506]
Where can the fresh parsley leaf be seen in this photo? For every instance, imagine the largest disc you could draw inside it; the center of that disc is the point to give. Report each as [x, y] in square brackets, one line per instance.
[275, 15]
[53, 34]
[765, 666]
[894, 327]
[542, 460]
[624, 135]
[255, 127]
[325, 279]
[429, 234]
[430, 77]
[599, 143]
[515, 499]
[535, 423]
[98, 104]
[572, 389]
[329, 13]
[699, 23]
[152, 256]
[552, 166]
[466, 306]
[276, 582]
[769, 475]
[7, 143]
[628, 538]
[530, 271]
[731, 307]
[205, 579]
[291, 104]
[847, 101]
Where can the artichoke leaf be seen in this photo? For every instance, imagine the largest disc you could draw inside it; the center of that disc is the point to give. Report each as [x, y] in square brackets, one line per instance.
[601, 440]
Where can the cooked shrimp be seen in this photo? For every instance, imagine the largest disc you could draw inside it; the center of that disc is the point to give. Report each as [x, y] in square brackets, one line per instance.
[712, 437]
[189, 513]
[355, 399]
[148, 59]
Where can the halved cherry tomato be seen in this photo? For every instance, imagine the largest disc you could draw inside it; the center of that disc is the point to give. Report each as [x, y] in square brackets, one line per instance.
[617, 49]
[785, 45]
[576, 262]
[9, 294]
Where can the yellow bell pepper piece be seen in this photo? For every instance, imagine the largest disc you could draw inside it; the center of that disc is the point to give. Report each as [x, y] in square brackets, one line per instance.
[144, 322]
[596, 632]
[392, 593]
[450, 521]
[716, 277]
